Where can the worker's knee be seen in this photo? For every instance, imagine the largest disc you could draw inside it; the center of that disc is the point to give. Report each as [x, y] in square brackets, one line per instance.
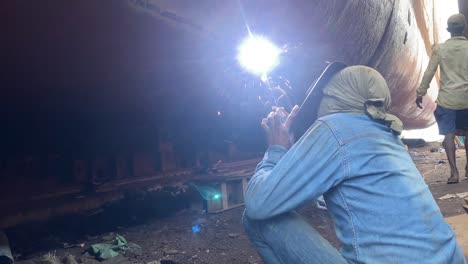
[448, 139]
[248, 224]
[251, 227]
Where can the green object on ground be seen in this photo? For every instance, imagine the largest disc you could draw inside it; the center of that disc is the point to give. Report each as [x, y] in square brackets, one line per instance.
[103, 251]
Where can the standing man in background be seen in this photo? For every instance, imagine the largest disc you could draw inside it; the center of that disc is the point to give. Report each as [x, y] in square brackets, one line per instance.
[452, 102]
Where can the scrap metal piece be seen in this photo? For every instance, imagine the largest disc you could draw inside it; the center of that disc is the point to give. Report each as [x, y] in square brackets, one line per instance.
[5, 252]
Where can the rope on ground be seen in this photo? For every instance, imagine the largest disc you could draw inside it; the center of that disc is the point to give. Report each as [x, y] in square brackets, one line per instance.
[435, 168]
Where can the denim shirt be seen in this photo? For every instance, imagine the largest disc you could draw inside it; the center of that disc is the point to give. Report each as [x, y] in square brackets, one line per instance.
[382, 209]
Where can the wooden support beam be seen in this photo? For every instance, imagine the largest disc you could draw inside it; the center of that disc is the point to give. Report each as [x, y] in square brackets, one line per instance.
[72, 199]
[224, 195]
[232, 192]
[463, 8]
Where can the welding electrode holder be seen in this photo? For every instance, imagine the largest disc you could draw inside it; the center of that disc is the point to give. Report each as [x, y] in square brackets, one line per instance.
[308, 110]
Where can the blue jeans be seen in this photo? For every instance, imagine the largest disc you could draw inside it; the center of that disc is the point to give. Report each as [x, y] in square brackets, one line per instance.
[449, 120]
[288, 238]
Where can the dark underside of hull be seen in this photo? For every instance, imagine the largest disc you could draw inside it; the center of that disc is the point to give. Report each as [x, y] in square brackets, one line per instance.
[143, 89]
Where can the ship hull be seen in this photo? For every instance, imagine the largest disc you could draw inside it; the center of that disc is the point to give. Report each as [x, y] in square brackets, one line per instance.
[391, 36]
[395, 37]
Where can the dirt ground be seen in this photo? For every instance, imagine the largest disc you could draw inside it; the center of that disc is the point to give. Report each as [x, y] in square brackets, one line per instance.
[435, 169]
[221, 238]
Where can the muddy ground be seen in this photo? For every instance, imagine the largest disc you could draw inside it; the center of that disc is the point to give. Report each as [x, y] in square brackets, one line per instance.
[220, 239]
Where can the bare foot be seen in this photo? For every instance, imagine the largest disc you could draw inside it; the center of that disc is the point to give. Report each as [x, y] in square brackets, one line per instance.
[453, 178]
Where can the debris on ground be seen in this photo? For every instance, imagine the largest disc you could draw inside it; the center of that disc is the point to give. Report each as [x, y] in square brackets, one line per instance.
[67, 245]
[171, 252]
[103, 251]
[460, 142]
[69, 259]
[440, 150]
[424, 173]
[6, 256]
[192, 236]
[465, 206]
[454, 195]
[234, 235]
[414, 142]
[448, 196]
[49, 258]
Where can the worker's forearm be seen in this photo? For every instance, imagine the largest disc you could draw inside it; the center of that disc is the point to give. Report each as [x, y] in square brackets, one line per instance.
[429, 73]
[425, 83]
[284, 180]
[426, 80]
[421, 91]
[256, 195]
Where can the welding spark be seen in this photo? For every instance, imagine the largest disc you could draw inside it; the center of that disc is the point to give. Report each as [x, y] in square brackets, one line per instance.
[258, 55]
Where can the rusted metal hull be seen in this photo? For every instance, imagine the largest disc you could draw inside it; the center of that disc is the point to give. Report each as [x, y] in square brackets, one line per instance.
[395, 37]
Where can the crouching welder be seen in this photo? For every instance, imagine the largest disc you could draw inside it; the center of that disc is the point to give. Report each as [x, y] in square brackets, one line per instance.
[381, 207]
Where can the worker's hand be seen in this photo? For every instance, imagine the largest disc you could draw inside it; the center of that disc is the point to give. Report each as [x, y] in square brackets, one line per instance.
[277, 126]
[419, 101]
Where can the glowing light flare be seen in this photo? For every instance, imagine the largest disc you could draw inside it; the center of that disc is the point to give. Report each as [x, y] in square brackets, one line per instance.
[216, 196]
[258, 55]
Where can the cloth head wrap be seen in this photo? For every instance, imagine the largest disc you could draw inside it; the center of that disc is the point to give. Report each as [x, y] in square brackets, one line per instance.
[359, 90]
